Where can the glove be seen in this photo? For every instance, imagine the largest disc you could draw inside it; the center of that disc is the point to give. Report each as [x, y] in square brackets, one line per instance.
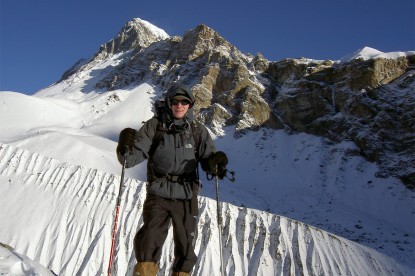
[217, 164]
[126, 141]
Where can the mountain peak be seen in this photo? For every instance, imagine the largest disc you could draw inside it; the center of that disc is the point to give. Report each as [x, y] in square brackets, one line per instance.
[364, 53]
[135, 35]
[204, 34]
[143, 24]
[202, 40]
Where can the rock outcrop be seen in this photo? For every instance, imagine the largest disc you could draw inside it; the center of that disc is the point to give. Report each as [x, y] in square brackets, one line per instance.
[369, 102]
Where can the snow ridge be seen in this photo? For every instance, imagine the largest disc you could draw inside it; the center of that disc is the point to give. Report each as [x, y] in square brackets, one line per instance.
[367, 53]
[76, 205]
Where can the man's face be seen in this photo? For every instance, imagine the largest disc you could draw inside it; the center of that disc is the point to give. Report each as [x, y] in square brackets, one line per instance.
[179, 108]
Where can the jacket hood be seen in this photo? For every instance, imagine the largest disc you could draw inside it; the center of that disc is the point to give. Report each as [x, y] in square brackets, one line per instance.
[178, 90]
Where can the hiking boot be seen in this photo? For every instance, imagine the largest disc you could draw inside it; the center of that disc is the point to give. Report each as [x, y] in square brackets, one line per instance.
[145, 269]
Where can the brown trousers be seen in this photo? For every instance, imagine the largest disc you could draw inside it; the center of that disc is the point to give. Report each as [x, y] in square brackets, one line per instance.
[149, 240]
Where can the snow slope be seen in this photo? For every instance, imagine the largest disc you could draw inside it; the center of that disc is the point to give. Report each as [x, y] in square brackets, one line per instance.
[62, 215]
[12, 263]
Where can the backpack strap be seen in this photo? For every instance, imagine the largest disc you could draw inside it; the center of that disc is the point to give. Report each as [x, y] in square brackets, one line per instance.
[196, 185]
[196, 136]
[160, 130]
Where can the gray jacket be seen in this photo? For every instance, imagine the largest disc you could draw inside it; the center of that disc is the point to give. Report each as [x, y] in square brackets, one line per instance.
[174, 156]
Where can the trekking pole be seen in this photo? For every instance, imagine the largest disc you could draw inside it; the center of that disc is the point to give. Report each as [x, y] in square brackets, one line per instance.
[218, 210]
[117, 210]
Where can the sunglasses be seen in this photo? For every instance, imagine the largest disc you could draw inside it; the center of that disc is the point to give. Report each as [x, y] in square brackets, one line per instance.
[182, 102]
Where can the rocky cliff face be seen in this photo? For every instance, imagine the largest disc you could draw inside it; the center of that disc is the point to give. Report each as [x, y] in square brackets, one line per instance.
[370, 102]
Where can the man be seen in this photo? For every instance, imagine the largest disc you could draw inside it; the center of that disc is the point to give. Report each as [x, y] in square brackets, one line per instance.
[173, 145]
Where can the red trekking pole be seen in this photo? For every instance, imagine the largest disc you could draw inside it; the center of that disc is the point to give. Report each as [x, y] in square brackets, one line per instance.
[117, 210]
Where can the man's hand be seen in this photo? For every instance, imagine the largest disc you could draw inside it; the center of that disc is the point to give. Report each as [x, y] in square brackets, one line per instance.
[217, 164]
[126, 141]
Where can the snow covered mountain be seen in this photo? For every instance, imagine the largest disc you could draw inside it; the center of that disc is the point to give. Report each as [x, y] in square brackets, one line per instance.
[304, 202]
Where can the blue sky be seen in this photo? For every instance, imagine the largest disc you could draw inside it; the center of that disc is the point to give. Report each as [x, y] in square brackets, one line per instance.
[40, 39]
